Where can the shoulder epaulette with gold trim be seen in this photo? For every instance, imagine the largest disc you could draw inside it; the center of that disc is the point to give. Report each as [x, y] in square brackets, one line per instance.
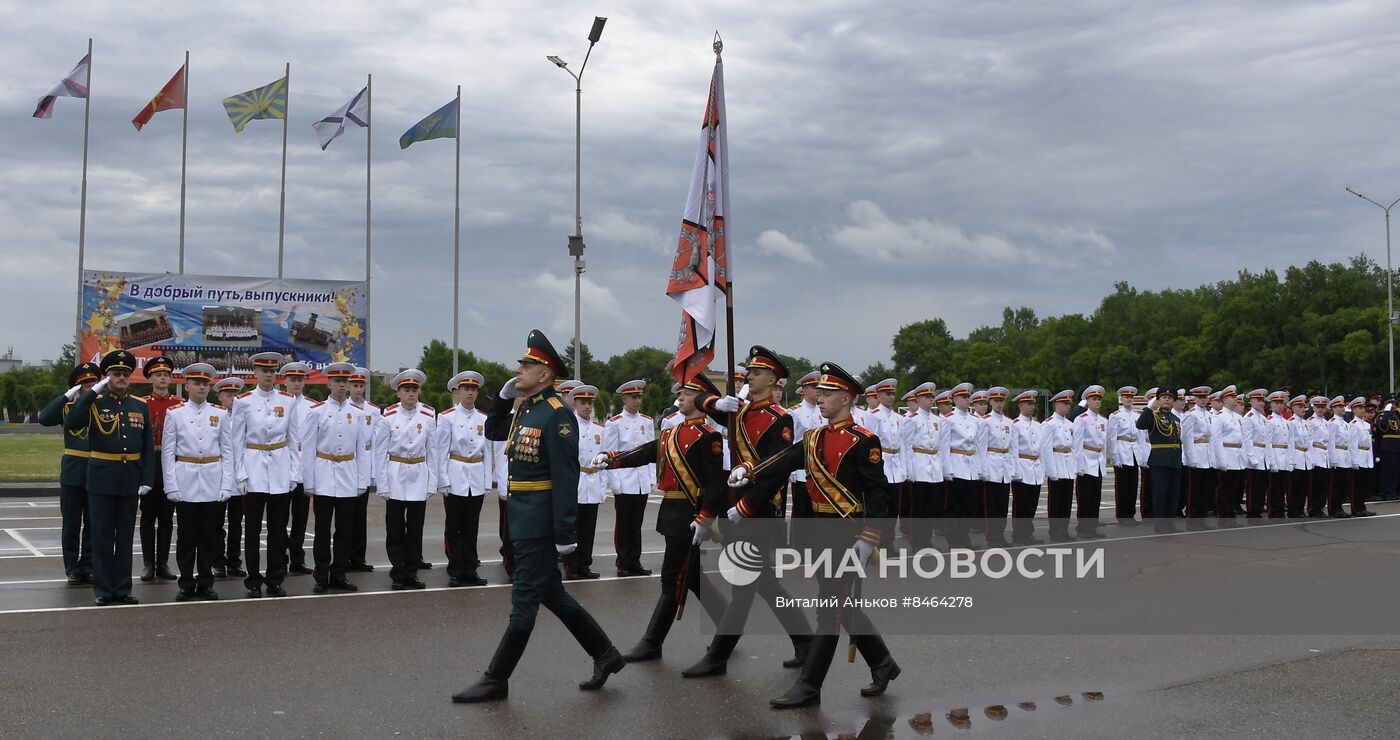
[555, 403]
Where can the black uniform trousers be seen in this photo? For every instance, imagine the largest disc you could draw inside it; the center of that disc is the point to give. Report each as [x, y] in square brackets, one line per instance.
[1361, 482]
[538, 583]
[1125, 489]
[76, 536]
[463, 515]
[403, 537]
[1166, 490]
[831, 619]
[113, 528]
[1278, 494]
[766, 534]
[198, 541]
[1389, 472]
[331, 550]
[157, 522]
[1299, 485]
[1145, 499]
[507, 549]
[1058, 498]
[586, 528]
[681, 571]
[1340, 491]
[1229, 486]
[801, 511]
[359, 531]
[964, 500]
[233, 547]
[1025, 499]
[1088, 497]
[997, 499]
[1321, 488]
[1256, 492]
[630, 509]
[921, 514]
[277, 506]
[299, 517]
[1200, 492]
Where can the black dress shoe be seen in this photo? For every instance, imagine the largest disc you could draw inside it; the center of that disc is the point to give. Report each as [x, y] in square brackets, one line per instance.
[604, 665]
[163, 573]
[424, 565]
[299, 570]
[414, 584]
[360, 568]
[487, 689]
[104, 601]
[186, 594]
[1341, 515]
[627, 573]
[341, 584]
[127, 600]
[75, 580]
[255, 592]
[397, 586]
[206, 594]
[1365, 512]
[320, 588]
[148, 574]
[237, 572]
[880, 677]
[87, 578]
[800, 695]
[801, 645]
[220, 572]
[587, 575]
[708, 666]
[466, 581]
[643, 651]
[276, 591]
[642, 571]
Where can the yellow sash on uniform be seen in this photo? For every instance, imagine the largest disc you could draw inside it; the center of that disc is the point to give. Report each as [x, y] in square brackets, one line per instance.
[674, 456]
[747, 452]
[837, 496]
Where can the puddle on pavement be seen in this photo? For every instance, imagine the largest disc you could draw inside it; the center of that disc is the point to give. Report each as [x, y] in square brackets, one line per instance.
[923, 724]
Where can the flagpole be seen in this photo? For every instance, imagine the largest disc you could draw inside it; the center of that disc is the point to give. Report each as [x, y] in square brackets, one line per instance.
[729, 291]
[282, 212]
[456, 229]
[184, 137]
[82, 217]
[369, 131]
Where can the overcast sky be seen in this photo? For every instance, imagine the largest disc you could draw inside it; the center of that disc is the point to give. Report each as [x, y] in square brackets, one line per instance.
[899, 162]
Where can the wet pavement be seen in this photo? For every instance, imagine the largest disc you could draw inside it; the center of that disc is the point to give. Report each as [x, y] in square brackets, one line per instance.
[383, 664]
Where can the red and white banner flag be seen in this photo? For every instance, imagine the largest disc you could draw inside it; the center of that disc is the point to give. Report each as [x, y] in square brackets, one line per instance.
[700, 274]
[75, 85]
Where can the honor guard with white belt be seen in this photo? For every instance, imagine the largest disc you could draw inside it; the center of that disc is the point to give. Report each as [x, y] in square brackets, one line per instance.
[1195, 454]
[1029, 474]
[299, 509]
[1060, 463]
[1300, 460]
[157, 512]
[230, 563]
[359, 525]
[1255, 424]
[1320, 456]
[998, 466]
[337, 470]
[1279, 460]
[1089, 442]
[266, 437]
[197, 462]
[1124, 452]
[591, 489]
[76, 532]
[1339, 458]
[631, 486]
[922, 438]
[961, 466]
[1227, 442]
[463, 477]
[405, 470]
[1363, 471]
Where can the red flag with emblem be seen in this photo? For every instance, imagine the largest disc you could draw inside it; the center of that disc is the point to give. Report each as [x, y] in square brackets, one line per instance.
[701, 271]
[170, 97]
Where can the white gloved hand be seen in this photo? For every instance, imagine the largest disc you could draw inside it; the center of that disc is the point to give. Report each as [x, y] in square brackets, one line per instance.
[566, 549]
[744, 392]
[1390, 407]
[225, 495]
[100, 385]
[172, 496]
[502, 493]
[142, 490]
[728, 404]
[508, 390]
[734, 515]
[72, 393]
[863, 550]
[444, 490]
[739, 476]
[243, 488]
[599, 460]
[698, 532]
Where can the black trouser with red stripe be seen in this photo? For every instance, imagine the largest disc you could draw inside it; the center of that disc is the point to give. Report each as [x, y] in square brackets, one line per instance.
[1340, 491]
[403, 537]
[1200, 492]
[1256, 492]
[1025, 499]
[627, 532]
[1279, 481]
[1228, 489]
[964, 499]
[996, 501]
[1088, 496]
[1321, 487]
[1125, 488]
[1058, 500]
[1299, 488]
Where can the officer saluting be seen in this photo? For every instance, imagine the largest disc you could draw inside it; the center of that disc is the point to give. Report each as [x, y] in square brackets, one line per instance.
[1164, 457]
[72, 479]
[121, 467]
[541, 436]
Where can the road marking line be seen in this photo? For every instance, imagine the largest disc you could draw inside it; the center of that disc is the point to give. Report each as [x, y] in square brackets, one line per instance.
[24, 542]
[26, 518]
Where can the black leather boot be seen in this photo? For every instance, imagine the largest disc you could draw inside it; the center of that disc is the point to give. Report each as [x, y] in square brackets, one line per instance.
[606, 659]
[807, 692]
[800, 645]
[883, 669]
[650, 646]
[716, 659]
[493, 685]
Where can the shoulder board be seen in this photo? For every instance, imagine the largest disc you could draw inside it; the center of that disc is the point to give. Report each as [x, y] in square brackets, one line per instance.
[426, 406]
[949, 414]
[555, 403]
[318, 404]
[448, 411]
[795, 407]
[861, 431]
[427, 411]
[391, 407]
[373, 406]
[388, 414]
[615, 418]
[777, 410]
[644, 416]
[288, 395]
[596, 424]
[176, 406]
[142, 399]
[245, 394]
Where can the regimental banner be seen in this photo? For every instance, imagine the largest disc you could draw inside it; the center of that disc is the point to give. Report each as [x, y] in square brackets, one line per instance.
[223, 320]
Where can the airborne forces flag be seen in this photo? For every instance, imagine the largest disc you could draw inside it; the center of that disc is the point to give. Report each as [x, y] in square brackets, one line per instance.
[700, 274]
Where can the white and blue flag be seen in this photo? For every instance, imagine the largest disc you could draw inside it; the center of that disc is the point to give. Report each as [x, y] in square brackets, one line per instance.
[356, 111]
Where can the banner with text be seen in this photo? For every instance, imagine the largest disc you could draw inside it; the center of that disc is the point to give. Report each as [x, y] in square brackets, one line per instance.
[223, 320]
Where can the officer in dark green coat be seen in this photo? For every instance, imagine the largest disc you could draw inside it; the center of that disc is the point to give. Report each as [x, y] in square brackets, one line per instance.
[541, 436]
[121, 467]
[72, 479]
[1164, 461]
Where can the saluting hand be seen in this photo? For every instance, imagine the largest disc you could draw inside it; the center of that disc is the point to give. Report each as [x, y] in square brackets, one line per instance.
[508, 391]
[101, 385]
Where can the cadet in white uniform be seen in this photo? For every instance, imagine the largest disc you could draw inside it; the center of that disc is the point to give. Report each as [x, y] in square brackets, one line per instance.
[1362, 459]
[1280, 457]
[1227, 442]
[961, 469]
[359, 527]
[1256, 449]
[806, 416]
[1089, 439]
[578, 564]
[922, 439]
[1340, 459]
[1320, 457]
[1030, 474]
[1124, 441]
[460, 449]
[1061, 468]
[405, 472]
[299, 504]
[1195, 456]
[1300, 477]
[630, 487]
[337, 470]
[197, 462]
[999, 465]
[266, 435]
[230, 561]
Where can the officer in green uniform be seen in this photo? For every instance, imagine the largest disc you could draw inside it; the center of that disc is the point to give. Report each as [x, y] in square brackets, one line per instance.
[1164, 461]
[121, 467]
[72, 479]
[541, 436]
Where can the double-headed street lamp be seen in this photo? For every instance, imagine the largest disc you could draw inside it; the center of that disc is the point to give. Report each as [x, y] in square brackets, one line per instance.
[1389, 289]
[576, 239]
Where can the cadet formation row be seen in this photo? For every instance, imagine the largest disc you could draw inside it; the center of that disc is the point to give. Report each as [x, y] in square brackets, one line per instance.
[955, 464]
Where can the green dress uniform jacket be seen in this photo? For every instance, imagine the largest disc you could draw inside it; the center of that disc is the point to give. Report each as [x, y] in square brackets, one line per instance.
[72, 471]
[1164, 435]
[121, 449]
[542, 449]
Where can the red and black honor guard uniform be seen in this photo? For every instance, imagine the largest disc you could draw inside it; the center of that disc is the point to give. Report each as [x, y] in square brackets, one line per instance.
[76, 532]
[196, 460]
[764, 429]
[690, 473]
[121, 468]
[846, 483]
[541, 435]
[157, 513]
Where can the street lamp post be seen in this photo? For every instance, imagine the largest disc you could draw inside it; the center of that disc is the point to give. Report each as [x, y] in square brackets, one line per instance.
[1389, 288]
[576, 239]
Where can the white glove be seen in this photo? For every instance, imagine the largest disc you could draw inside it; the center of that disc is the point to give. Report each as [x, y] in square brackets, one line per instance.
[698, 532]
[863, 549]
[744, 392]
[739, 476]
[142, 490]
[599, 460]
[1390, 407]
[172, 496]
[728, 404]
[503, 493]
[734, 515]
[566, 549]
[444, 490]
[243, 487]
[73, 392]
[100, 386]
[225, 495]
[508, 390]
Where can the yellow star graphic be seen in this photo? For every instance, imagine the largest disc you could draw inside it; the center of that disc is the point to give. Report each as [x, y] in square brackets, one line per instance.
[339, 357]
[355, 331]
[114, 291]
[95, 323]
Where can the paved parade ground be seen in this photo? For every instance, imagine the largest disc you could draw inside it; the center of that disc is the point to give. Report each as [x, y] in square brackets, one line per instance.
[383, 664]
